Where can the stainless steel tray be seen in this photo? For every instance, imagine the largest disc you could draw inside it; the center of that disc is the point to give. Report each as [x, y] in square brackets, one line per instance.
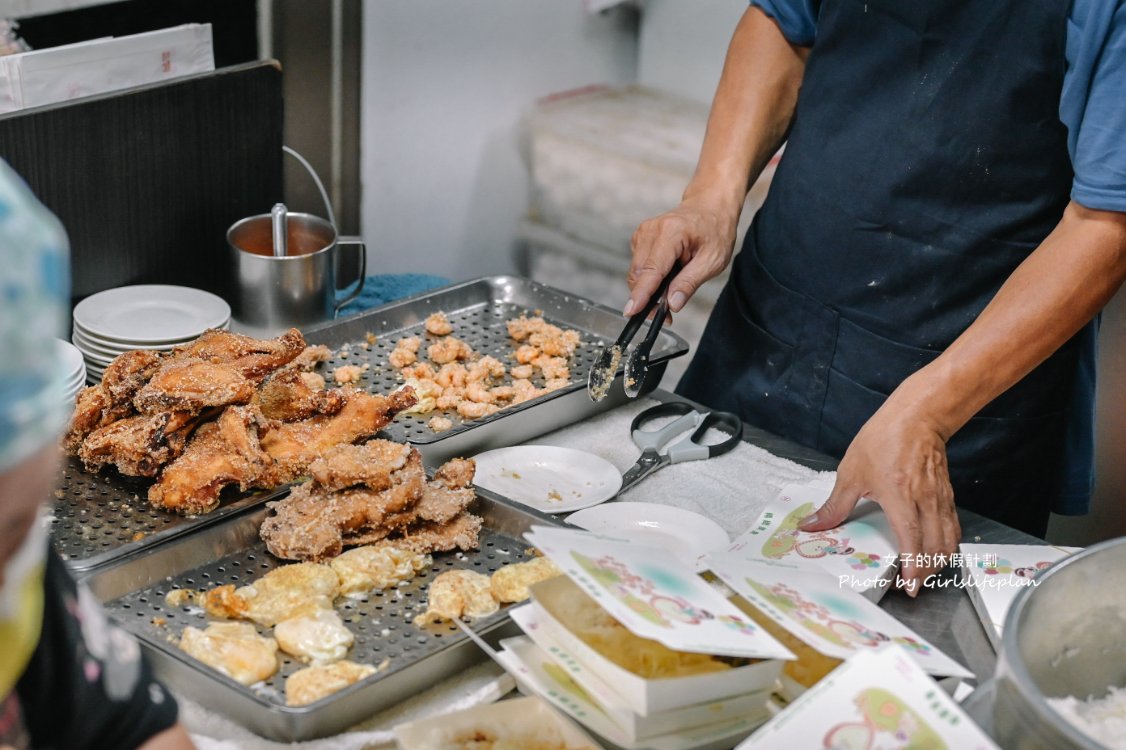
[231, 552]
[103, 518]
[478, 310]
[97, 519]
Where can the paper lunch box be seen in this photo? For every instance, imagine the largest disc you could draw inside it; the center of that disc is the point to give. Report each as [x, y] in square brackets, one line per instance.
[828, 618]
[655, 597]
[528, 719]
[546, 675]
[568, 668]
[863, 549]
[876, 699]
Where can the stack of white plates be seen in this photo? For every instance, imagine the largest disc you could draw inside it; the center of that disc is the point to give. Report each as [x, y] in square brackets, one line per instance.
[157, 317]
[74, 367]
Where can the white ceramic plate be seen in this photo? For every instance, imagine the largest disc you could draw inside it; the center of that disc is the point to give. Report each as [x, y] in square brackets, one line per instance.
[69, 356]
[117, 347]
[94, 346]
[687, 534]
[548, 478]
[150, 313]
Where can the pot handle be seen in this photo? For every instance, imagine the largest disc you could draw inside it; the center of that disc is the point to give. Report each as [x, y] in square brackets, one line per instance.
[357, 243]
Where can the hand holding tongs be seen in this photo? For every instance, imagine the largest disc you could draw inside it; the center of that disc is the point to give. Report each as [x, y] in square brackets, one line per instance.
[605, 367]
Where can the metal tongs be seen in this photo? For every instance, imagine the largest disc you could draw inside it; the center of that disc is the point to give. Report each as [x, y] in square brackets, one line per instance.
[605, 367]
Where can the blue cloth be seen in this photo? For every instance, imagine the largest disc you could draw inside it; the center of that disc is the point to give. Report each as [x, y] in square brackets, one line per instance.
[384, 288]
[1092, 103]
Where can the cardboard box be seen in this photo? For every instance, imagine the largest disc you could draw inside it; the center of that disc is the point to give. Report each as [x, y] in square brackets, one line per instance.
[616, 686]
[829, 619]
[875, 699]
[655, 599]
[537, 673]
[569, 668]
[56, 74]
[863, 549]
[993, 574]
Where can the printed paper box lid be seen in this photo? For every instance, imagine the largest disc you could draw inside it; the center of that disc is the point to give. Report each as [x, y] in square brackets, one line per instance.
[863, 547]
[655, 595]
[994, 574]
[825, 613]
[876, 699]
[534, 673]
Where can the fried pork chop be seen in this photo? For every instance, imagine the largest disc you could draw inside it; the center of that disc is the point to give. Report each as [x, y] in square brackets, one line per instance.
[139, 445]
[295, 445]
[112, 399]
[460, 533]
[313, 523]
[228, 409]
[253, 358]
[369, 493]
[293, 394]
[370, 464]
[223, 452]
[193, 385]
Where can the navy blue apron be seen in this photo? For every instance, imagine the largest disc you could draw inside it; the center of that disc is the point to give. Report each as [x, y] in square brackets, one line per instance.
[925, 162]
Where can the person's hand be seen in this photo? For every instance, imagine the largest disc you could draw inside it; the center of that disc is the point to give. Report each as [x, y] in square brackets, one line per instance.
[899, 461]
[699, 233]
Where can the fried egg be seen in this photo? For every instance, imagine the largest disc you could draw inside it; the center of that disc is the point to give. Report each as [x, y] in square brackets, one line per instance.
[233, 648]
[456, 593]
[276, 596]
[317, 636]
[309, 685]
[377, 566]
[511, 583]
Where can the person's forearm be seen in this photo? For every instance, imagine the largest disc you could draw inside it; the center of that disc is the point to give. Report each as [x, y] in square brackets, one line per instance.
[751, 112]
[1049, 297]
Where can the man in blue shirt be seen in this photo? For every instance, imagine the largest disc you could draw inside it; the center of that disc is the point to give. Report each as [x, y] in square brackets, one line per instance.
[916, 295]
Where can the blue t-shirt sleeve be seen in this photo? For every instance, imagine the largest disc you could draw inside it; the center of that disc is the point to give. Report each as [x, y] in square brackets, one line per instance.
[796, 18]
[1093, 102]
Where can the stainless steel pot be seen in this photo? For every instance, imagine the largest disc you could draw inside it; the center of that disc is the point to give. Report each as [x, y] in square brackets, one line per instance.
[1064, 636]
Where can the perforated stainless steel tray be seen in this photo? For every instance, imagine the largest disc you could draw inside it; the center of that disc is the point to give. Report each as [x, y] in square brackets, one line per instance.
[231, 552]
[100, 519]
[97, 519]
[478, 311]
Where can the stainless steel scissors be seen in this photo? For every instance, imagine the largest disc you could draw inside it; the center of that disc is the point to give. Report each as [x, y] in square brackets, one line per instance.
[690, 448]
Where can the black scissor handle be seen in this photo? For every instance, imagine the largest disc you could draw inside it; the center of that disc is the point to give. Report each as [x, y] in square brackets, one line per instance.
[724, 422]
[670, 409]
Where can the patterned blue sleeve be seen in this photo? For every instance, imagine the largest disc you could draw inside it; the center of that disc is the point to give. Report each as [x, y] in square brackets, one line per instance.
[1093, 103]
[34, 298]
[796, 18]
